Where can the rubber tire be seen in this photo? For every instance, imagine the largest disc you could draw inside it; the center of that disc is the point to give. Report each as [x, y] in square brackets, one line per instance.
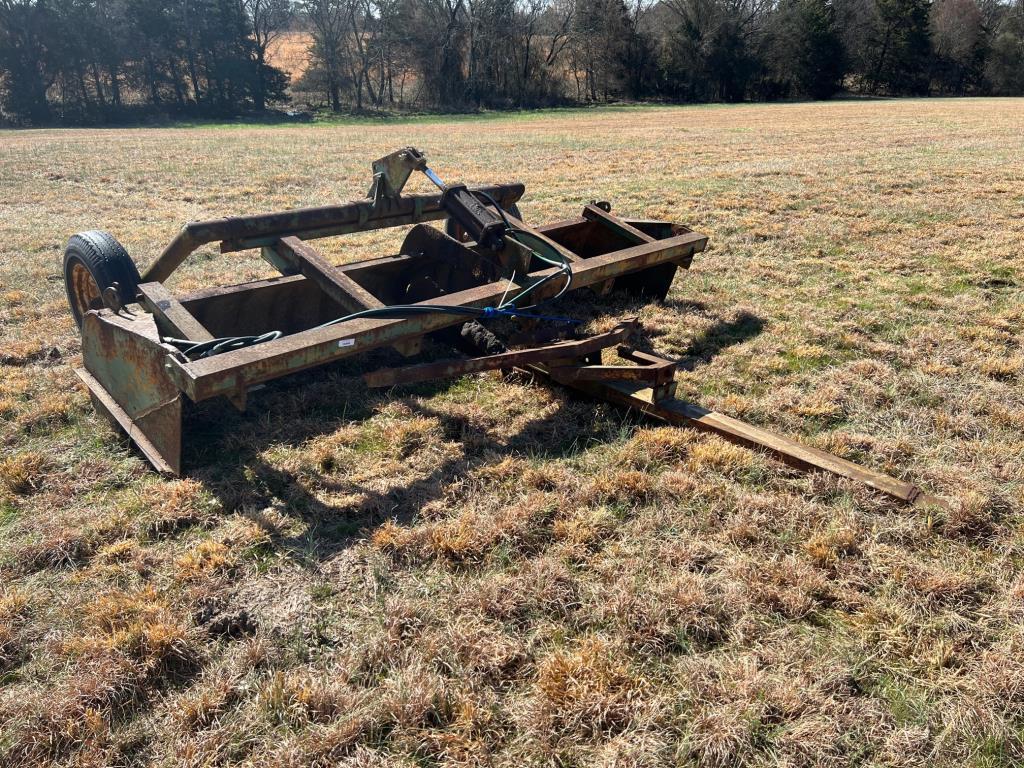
[452, 228]
[107, 262]
[474, 339]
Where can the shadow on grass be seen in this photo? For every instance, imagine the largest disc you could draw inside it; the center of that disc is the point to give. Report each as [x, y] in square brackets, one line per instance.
[720, 336]
[227, 451]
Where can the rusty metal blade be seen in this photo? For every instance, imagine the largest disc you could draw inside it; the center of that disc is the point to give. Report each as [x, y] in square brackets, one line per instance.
[124, 371]
[157, 434]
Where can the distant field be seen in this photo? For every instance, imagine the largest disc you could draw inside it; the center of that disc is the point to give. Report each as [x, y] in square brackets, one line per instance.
[488, 573]
[290, 52]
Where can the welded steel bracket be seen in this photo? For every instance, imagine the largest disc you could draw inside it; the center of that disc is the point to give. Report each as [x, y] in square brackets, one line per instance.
[391, 172]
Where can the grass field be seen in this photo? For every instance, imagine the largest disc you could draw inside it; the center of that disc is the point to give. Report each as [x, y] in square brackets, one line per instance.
[481, 572]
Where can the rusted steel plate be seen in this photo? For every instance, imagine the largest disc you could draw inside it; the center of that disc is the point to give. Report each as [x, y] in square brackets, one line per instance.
[438, 263]
[286, 304]
[126, 376]
[158, 457]
[618, 226]
[335, 283]
[225, 373]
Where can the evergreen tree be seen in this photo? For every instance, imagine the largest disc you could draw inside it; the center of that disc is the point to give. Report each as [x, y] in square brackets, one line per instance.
[902, 47]
[820, 63]
[27, 58]
[1005, 66]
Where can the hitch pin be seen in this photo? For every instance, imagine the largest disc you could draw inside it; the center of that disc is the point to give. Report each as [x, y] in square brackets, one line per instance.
[434, 178]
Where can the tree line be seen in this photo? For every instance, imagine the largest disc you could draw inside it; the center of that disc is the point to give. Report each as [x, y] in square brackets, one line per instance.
[95, 61]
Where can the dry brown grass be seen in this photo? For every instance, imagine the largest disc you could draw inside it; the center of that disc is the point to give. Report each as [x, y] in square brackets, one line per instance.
[490, 572]
[290, 52]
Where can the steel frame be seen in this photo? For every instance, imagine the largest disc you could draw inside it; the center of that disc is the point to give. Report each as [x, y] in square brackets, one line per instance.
[142, 383]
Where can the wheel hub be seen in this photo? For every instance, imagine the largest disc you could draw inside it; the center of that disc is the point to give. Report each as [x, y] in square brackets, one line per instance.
[84, 291]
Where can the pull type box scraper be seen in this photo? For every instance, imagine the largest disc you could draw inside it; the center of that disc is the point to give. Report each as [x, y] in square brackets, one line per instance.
[147, 353]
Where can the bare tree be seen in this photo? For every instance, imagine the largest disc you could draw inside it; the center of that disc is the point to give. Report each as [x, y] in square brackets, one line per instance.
[26, 34]
[639, 52]
[268, 19]
[329, 22]
[559, 15]
[957, 32]
[437, 40]
[389, 44]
